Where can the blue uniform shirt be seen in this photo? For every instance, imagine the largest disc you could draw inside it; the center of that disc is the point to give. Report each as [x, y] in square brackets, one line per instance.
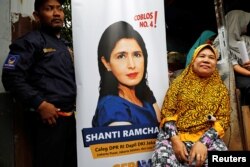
[40, 67]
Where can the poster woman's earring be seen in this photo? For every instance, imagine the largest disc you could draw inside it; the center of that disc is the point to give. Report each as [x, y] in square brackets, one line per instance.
[108, 69]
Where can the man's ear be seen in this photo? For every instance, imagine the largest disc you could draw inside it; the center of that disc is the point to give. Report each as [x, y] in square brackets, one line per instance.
[36, 16]
[105, 63]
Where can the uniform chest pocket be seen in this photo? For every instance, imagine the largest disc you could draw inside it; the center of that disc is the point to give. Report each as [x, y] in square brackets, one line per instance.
[49, 52]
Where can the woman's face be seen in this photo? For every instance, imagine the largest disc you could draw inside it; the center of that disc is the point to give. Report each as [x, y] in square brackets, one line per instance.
[126, 62]
[205, 63]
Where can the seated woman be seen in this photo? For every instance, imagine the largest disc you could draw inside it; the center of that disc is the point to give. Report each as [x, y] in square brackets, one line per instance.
[186, 133]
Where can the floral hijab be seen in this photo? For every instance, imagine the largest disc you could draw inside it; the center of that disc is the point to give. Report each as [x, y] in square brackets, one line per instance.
[190, 99]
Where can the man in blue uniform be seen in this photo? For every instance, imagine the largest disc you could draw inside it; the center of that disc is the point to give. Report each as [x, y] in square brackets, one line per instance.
[39, 72]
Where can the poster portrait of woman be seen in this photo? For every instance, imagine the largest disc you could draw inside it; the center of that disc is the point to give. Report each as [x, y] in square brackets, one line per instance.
[124, 95]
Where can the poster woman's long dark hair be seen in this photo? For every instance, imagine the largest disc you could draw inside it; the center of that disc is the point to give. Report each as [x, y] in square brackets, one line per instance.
[108, 82]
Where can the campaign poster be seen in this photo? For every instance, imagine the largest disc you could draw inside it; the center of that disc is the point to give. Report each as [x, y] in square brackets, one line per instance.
[120, 57]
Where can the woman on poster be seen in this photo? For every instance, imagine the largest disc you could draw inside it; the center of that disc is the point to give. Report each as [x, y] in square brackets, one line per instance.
[124, 95]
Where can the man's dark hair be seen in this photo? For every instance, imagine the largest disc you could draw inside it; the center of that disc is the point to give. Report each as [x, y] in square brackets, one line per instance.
[39, 3]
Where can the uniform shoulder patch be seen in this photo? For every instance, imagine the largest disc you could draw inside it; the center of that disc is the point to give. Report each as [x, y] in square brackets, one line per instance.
[11, 61]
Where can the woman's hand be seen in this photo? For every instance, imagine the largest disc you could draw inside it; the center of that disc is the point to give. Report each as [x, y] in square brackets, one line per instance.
[246, 65]
[198, 153]
[179, 148]
[241, 70]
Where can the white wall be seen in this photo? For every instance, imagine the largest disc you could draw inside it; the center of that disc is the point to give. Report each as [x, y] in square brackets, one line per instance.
[8, 10]
[5, 33]
[25, 7]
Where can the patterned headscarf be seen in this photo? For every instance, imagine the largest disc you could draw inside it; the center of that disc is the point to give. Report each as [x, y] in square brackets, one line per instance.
[190, 99]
